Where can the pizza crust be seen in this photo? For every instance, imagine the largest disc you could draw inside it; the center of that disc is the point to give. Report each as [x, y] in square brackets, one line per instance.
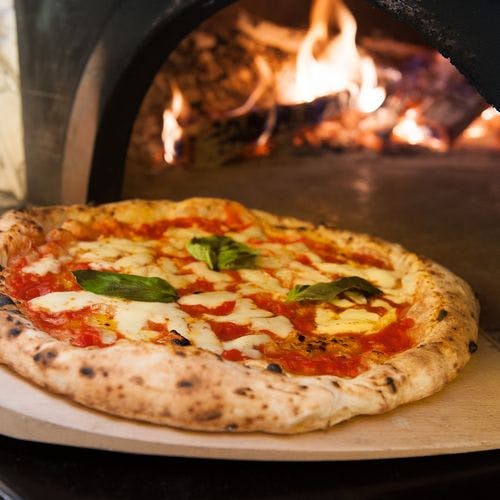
[190, 388]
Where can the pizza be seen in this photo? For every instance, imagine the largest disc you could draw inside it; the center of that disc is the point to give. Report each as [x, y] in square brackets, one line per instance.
[206, 315]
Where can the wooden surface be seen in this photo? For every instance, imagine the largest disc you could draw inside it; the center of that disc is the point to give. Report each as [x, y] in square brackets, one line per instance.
[463, 417]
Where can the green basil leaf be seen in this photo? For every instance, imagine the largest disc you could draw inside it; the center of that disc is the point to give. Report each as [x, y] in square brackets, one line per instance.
[222, 252]
[126, 286]
[205, 250]
[328, 291]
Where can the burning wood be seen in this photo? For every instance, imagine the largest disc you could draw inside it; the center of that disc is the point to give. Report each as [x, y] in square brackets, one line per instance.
[257, 85]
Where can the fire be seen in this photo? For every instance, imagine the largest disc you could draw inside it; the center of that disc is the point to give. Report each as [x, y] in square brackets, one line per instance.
[409, 131]
[338, 67]
[172, 131]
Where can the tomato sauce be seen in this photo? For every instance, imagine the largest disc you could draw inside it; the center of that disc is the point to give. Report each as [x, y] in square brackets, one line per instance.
[26, 286]
[369, 260]
[327, 251]
[300, 314]
[233, 355]
[69, 326]
[199, 285]
[232, 222]
[198, 310]
[228, 331]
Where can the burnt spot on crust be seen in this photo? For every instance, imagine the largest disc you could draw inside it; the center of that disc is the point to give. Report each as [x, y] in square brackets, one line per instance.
[336, 384]
[208, 415]
[5, 300]
[472, 347]
[185, 384]
[274, 367]
[14, 332]
[442, 314]
[87, 371]
[181, 341]
[45, 357]
[180, 353]
[231, 427]
[136, 379]
[243, 391]
[392, 385]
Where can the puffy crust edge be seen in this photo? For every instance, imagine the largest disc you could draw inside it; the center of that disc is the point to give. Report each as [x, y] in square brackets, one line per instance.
[193, 389]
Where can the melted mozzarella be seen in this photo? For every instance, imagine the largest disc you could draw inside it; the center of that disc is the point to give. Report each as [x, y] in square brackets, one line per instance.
[43, 266]
[260, 281]
[202, 336]
[201, 270]
[243, 313]
[247, 343]
[329, 322]
[279, 325]
[131, 316]
[382, 278]
[207, 299]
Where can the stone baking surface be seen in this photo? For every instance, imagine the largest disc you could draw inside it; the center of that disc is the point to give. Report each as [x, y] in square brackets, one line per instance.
[462, 417]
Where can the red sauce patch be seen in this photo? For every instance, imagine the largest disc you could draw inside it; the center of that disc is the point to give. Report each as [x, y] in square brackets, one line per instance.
[233, 355]
[392, 339]
[320, 364]
[228, 331]
[69, 326]
[327, 251]
[199, 285]
[300, 314]
[26, 286]
[369, 260]
[232, 222]
[198, 310]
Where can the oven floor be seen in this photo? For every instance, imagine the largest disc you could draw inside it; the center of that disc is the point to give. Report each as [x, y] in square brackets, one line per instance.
[446, 207]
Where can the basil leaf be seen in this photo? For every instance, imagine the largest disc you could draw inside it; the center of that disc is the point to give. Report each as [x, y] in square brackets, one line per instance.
[205, 250]
[222, 252]
[328, 291]
[126, 286]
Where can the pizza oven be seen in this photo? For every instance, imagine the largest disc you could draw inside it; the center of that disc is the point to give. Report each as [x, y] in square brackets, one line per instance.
[168, 99]
[86, 69]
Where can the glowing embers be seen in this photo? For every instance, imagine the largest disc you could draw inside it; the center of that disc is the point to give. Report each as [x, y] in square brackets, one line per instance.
[409, 131]
[483, 132]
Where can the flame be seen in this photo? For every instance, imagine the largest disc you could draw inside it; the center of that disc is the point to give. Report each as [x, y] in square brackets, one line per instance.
[172, 131]
[490, 113]
[409, 131]
[339, 66]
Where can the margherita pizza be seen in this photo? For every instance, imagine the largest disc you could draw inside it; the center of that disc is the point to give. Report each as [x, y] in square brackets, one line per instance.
[206, 315]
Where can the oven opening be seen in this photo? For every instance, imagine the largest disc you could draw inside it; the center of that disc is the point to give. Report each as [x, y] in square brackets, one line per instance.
[328, 81]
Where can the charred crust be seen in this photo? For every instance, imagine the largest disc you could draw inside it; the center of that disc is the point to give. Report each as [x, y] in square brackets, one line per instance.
[335, 383]
[5, 300]
[243, 391]
[185, 384]
[303, 387]
[45, 357]
[231, 427]
[9, 318]
[181, 341]
[180, 353]
[472, 347]
[274, 367]
[442, 314]
[15, 332]
[392, 385]
[87, 371]
[208, 415]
